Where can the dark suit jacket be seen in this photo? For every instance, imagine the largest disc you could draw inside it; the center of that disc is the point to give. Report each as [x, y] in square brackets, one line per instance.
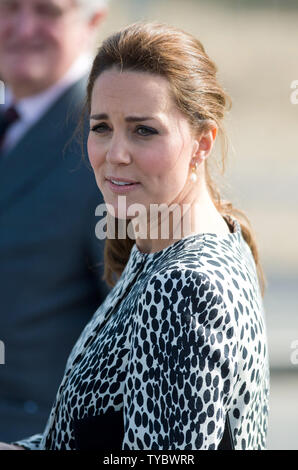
[49, 282]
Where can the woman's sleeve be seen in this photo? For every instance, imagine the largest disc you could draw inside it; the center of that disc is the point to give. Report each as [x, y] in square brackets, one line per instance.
[183, 365]
[30, 443]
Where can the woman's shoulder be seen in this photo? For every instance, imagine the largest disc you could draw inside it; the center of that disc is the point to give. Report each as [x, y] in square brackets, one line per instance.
[203, 249]
[221, 267]
[179, 284]
[201, 256]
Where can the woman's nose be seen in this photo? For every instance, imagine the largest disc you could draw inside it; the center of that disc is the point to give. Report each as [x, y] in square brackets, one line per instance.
[118, 152]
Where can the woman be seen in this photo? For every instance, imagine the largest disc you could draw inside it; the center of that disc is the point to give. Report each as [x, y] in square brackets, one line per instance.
[176, 356]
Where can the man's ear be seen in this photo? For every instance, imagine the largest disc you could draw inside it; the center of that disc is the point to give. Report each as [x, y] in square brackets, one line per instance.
[214, 132]
[97, 18]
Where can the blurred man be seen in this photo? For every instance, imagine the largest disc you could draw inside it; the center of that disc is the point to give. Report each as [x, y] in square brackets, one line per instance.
[50, 260]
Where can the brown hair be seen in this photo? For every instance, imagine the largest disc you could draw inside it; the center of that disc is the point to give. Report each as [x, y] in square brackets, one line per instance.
[182, 60]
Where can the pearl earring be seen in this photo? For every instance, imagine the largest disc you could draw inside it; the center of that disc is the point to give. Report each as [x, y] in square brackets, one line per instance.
[193, 175]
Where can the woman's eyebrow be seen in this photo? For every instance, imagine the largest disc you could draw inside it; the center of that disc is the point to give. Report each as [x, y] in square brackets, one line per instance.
[98, 117]
[137, 118]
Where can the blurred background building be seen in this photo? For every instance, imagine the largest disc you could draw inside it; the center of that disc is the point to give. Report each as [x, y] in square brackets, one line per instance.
[255, 46]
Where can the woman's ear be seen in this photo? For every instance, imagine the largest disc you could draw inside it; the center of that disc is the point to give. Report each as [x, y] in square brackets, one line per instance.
[204, 143]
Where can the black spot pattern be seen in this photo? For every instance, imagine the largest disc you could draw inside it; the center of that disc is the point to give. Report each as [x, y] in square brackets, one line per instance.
[178, 343]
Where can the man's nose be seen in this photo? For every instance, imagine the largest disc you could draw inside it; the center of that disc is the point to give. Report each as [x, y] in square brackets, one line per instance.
[118, 152]
[26, 23]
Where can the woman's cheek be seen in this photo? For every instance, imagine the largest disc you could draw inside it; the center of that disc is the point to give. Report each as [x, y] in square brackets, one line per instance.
[93, 152]
[155, 163]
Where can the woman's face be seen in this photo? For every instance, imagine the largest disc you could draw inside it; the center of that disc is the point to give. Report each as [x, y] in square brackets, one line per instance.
[138, 137]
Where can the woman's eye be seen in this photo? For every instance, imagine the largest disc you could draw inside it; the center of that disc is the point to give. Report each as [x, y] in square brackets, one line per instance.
[100, 128]
[145, 131]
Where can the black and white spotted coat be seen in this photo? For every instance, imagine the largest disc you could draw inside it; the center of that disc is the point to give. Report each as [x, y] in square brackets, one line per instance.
[178, 343]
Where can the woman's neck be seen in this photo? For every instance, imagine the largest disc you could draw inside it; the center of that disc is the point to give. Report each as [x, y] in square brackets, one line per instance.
[182, 220]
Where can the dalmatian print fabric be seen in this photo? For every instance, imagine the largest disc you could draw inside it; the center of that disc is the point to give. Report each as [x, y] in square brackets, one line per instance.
[179, 343]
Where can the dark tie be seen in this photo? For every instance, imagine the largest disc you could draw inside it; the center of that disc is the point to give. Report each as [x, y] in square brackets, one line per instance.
[6, 120]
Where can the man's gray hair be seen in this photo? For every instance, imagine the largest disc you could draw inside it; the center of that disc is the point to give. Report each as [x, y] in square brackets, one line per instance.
[90, 7]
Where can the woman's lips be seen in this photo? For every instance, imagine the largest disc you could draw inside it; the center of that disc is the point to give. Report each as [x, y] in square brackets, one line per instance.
[123, 189]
